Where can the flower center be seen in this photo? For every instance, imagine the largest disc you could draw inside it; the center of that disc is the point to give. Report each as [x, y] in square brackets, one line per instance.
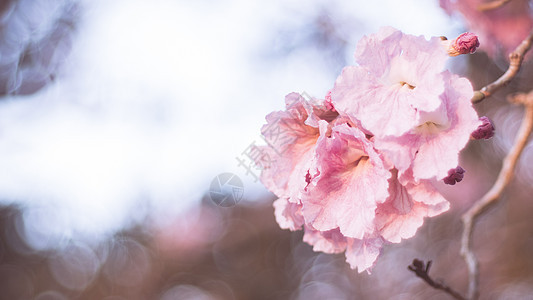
[403, 83]
[430, 128]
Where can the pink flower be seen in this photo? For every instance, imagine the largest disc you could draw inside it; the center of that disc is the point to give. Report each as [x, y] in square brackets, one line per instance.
[291, 135]
[356, 169]
[432, 147]
[397, 79]
[500, 29]
[408, 204]
[348, 180]
[353, 203]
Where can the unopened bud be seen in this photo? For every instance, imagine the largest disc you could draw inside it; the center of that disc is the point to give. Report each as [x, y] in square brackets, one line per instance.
[485, 130]
[454, 176]
[464, 44]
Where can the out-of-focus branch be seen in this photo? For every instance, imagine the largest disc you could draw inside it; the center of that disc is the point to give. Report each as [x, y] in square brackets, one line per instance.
[492, 5]
[422, 271]
[515, 61]
[492, 196]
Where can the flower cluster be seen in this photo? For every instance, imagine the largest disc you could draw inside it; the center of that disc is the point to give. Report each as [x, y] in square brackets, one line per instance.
[360, 167]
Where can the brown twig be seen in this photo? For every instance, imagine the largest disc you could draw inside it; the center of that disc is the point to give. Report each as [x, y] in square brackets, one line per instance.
[422, 271]
[492, 196]
[492, 5]
[515, 61]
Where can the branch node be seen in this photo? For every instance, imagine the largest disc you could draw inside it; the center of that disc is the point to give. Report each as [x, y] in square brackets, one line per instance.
[515, 61]
[492, 5]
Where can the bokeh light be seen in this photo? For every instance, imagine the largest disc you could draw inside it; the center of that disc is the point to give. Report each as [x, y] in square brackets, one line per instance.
[115, 116]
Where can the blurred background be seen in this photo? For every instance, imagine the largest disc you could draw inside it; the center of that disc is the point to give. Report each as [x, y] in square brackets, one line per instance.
[117, 116]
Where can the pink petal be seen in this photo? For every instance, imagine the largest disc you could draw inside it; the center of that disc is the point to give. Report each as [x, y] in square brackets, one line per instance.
[404, 211]
[362, 254]
[291, 136]
[431, 150]
[331, 241]
[348, 180]
[398, 76]
[288, 214]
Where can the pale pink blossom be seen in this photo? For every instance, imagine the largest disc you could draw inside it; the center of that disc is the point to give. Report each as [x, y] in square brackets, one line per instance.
[432, 147]
[291, 135]
[351, 202]
[352, 194]
[400, 216]
[348, 179]
[397, 78]
[359, 167]
[501, 29]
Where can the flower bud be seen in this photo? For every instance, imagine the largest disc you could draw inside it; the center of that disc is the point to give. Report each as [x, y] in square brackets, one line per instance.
[454, 176]
[485, 130]
[464, 44]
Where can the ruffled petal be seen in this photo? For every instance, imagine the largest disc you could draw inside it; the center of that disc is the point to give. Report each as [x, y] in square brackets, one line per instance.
[362, 254]
[331, 241]
[288, 214]
[349, 179]
[404, 211]
[432, 148]
[398, 77]
[290, 136]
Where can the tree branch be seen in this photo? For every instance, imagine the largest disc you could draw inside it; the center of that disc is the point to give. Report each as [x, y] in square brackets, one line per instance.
[421, 270]
[515, 61]
[492, 196]
[492, 5]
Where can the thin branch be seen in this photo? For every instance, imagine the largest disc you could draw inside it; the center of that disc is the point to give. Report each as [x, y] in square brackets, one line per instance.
[422, 271]
[492, 196]
[515, 61]
[492, 5]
